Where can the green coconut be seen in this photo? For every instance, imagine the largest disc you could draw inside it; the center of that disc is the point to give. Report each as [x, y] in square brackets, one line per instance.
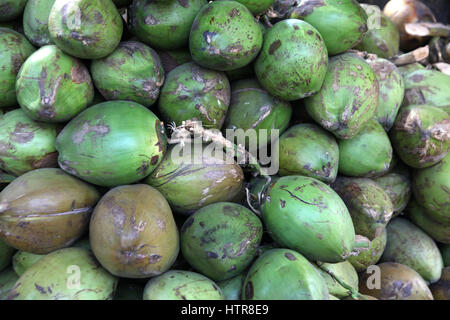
[418, 215]
[213, 178]
[131, 72]
[342, 24]
[367, 154]
[85, 29]
[392, 89]
[293, 61]
[427, 87]
[408, 68]
[11, 9]
[345, 272]
[382, 37]
[370, 257]
[398, 188]
[35, 21]
[22, 260]
[26, 144]
[53, 86]
[15, 49]
[420, 135]
[369, 205]
[306, 215]
[409, 245]
[348, 98]
[307, 149]
[66, 274]
[257, 6]
[182, 285]
[192, 92]
[112, 143]
[221, 240]
[164, 24]
[431, 187]
[254, 108]
[225, 36]
[282, 274]
[232, 288]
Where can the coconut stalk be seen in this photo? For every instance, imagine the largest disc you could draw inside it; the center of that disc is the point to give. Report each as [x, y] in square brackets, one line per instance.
[443, 67]
[187, 128]
[427, 29]
[411, 57]
[267, 21]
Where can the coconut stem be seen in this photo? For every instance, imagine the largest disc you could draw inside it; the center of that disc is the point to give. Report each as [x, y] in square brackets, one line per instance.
[249, 202]
[271, 13]
[427, 29]
[267, 21]
[414, 56]
[354, 293]
[443, 67]
[364, 54]
[361, 242]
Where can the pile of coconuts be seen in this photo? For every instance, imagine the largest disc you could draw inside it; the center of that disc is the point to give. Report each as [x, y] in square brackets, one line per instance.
[96, 98]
